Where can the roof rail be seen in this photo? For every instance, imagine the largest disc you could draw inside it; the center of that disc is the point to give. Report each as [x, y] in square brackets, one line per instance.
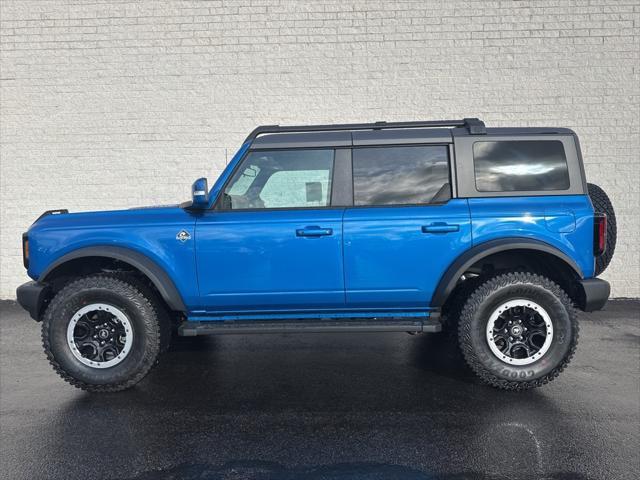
[474, 125]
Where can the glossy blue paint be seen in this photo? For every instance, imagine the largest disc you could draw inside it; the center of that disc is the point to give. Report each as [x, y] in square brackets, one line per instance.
[256, 260]
[200, 193]
[395, 256]
[302, 315]
[149, 231]
[560, 222]
[564, 222]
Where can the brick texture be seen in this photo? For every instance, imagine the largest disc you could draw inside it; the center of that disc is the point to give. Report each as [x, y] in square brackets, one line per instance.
[112, 104]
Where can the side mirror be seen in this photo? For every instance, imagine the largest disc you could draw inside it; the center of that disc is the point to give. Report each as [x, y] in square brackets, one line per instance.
[200, 193]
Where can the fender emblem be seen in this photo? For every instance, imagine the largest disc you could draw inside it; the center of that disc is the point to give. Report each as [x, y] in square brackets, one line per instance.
[183, 236]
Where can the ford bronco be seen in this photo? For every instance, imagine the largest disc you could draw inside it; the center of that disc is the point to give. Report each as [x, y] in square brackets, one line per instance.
[491, 233]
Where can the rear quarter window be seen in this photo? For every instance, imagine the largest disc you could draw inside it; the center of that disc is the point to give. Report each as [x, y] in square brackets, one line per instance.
[522, 165]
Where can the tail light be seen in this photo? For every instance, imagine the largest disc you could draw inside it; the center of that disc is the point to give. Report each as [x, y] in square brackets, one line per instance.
[25, 250]
[599, 234]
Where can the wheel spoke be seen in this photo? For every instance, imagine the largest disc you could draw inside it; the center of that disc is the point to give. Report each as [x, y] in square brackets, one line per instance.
[539, 336]
[516, 346]
[106, 353]
[88, 349]
[82, 331]
[501, 341]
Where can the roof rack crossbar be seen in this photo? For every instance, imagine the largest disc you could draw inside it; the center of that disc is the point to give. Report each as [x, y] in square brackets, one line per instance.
[474, 125]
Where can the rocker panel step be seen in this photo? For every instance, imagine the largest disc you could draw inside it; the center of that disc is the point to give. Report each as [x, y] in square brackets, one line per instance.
[192, 329]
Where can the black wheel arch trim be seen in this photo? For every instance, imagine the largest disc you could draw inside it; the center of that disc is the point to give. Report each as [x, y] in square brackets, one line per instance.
[594, 294]
[450, 278]
[156, 274]
[32, 296]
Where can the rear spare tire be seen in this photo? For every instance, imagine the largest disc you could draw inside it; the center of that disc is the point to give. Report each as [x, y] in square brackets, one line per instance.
[602, 204]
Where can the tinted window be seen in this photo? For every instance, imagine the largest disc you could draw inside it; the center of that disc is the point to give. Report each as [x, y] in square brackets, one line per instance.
[399, 175]
[520, 166]
[281, 179]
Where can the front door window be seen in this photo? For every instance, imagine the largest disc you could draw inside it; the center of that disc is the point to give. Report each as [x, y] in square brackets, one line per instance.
[281, 179]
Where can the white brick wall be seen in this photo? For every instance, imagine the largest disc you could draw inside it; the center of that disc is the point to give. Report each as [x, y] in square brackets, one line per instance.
[100, 97]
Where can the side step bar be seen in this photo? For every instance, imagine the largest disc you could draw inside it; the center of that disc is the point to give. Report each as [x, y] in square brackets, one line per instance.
[192, 329]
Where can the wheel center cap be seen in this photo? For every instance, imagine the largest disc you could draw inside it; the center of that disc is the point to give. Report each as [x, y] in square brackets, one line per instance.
[516, 330]
[104, 333]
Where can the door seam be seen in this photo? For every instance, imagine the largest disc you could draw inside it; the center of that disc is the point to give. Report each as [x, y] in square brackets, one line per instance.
[344, 267]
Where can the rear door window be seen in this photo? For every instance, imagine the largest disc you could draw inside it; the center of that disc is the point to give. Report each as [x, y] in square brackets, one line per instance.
[522, 165]
[413, 175]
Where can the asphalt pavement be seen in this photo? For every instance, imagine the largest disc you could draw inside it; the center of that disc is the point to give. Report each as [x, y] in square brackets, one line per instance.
[324, 406]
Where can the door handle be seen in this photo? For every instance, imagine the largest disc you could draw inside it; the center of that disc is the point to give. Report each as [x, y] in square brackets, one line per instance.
[313, 232]
[440, 227]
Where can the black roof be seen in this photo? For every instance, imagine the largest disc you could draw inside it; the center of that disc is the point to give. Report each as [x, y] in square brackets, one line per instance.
[345, 135]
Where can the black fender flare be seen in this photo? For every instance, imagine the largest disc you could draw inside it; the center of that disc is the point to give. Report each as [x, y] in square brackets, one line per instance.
[148, 267]
[450, 278]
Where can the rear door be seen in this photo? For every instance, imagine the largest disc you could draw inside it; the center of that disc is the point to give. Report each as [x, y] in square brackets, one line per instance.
[404, 229]
[274, 242]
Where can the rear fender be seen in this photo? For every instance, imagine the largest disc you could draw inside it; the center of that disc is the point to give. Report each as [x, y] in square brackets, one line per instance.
[450, 279]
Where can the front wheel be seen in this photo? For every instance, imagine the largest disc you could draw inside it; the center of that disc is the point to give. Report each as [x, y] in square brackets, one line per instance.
[518, 331]
[101, 333]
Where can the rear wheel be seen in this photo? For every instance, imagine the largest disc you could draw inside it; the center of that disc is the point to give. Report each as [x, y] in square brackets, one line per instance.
[518, 331]
[101, 333]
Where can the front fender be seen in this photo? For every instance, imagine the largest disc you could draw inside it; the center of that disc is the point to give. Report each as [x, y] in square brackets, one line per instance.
[156, 274]
[147, 238]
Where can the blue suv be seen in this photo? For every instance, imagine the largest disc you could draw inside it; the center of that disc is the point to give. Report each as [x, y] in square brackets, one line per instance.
[493, 234]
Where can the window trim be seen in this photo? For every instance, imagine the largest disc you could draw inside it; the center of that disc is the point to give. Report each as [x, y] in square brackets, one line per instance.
[216, 207]
[488, 140]
[342, 181]
[450, 175]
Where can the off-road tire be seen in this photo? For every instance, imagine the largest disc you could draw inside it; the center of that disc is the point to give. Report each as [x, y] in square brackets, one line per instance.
[164, 314]
[123, 295]
[473, 323]
[602, 204]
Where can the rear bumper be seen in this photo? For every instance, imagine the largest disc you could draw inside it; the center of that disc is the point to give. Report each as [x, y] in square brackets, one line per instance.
[595, 293]
[31, 297]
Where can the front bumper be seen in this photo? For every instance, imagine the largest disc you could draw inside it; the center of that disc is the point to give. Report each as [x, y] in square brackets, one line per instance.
[595, 293]
[31, 297]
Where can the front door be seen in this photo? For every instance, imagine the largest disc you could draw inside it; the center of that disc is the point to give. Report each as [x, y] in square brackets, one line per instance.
[274, 242]
[404, 229]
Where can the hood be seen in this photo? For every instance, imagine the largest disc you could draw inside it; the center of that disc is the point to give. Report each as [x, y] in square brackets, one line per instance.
[62, 219]
[145, 207]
